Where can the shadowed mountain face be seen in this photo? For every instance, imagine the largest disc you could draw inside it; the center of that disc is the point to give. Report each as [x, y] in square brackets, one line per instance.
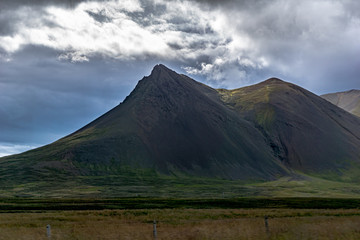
[174, 125]
[349, 100]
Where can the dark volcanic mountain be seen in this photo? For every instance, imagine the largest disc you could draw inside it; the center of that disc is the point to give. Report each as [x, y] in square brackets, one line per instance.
[176, 126]
[349, 100]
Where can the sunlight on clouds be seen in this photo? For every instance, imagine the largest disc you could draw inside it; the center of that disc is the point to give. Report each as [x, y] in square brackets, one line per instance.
[121, 38]
[285, 38]
[120, 35]
[117, 29]
[81, 36]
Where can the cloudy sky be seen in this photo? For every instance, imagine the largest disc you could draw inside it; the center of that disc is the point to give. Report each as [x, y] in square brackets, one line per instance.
[65, 62]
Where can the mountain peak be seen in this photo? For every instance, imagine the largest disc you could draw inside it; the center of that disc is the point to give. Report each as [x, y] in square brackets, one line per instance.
[161, 73]
[273, 80]
[159, 68]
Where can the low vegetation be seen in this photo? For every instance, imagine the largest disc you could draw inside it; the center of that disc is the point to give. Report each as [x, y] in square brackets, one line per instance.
[184, 224]
[142, 183]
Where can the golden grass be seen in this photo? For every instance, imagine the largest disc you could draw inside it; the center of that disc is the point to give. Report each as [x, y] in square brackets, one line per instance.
[183, 224]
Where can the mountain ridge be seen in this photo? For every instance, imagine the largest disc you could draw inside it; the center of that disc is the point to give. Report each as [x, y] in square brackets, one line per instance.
[347, 100]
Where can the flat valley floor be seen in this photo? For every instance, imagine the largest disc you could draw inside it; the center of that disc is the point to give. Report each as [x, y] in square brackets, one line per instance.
[183, 224]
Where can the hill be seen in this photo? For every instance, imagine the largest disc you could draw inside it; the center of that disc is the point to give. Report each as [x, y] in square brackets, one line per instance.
[349, 100]
[175, 136]
[306, 132]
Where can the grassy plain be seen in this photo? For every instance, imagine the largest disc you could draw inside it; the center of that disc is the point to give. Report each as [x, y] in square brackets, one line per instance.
[150, 184]
[183, 224]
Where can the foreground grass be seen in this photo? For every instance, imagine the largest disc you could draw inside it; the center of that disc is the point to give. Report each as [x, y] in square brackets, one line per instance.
[184, 224]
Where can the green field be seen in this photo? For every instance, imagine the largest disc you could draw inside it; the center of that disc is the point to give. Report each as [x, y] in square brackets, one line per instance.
[151, 184]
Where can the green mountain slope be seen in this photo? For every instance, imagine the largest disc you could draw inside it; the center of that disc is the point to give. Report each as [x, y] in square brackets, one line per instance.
[349, 100]
[306, 132]
[174, 136]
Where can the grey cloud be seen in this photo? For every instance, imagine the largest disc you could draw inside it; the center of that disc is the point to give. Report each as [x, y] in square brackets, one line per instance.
[9, 11]
[352, 7]
[9, 19]
[310, 45]
[44, 99]
[149, 7]
[6, 23]
[239, 5]
[338, 71]
[233, 74]
[194, 45]
[13, 4]
[150, 15]
[100, 17]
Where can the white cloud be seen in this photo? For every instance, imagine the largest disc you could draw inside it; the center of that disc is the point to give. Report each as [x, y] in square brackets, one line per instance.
[286, 38]
[11, 43]
[6, 149]
[74, 57]
[183, 31]
[121, 35]
[80, 36]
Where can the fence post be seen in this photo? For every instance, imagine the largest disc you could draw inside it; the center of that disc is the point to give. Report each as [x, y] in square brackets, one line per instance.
[266, 224]
[48, 231]
[154, 230]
